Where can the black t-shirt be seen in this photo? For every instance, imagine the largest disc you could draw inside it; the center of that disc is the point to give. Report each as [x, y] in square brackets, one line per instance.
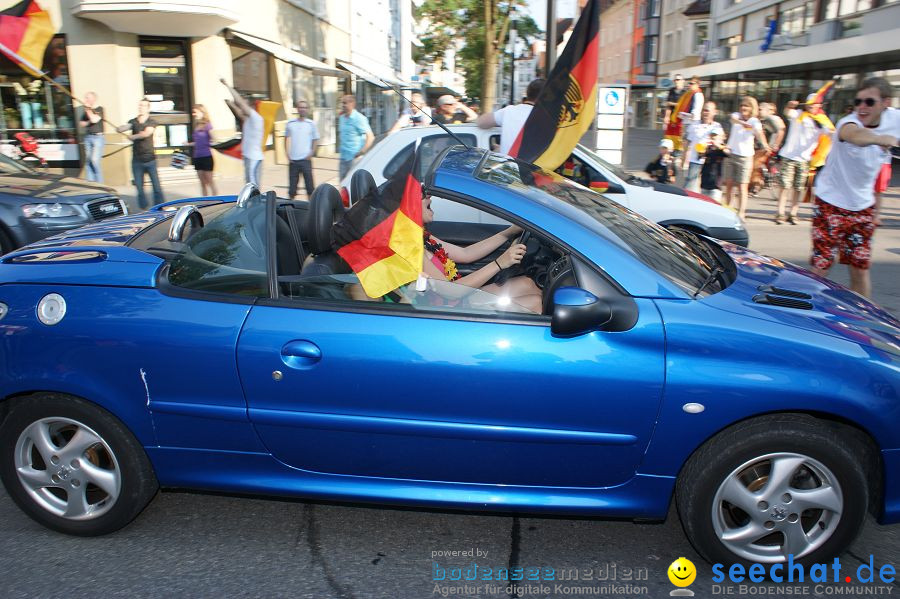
[453, 119]
[93, 128]
[673, 96]
[659, 171]
[712, 168]
[143, 148]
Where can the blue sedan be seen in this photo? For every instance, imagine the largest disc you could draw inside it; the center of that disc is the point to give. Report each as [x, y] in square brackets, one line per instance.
[221, 343]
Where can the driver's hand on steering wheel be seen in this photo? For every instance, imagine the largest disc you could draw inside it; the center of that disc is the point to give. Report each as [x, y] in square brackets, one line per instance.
[512, 232]
[512, 256]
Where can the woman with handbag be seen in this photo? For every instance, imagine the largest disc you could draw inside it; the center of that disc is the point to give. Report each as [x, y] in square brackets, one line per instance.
[203, 160]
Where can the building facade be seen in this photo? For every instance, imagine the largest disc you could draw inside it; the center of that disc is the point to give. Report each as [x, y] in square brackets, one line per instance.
[813, 41]
[174, 53]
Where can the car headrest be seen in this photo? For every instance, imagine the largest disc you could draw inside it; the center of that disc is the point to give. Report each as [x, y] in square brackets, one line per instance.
[362, 183]
[325, 208]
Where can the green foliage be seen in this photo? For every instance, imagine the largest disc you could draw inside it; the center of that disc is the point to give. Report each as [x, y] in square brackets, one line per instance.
[453, 21]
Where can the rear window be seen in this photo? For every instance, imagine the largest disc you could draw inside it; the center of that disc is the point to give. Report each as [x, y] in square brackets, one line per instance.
[431, 147]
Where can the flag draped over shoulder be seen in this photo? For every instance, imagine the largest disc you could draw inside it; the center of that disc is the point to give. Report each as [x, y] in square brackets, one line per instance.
[381, 237]
[25, 32]
[567, 105]
[675, 128]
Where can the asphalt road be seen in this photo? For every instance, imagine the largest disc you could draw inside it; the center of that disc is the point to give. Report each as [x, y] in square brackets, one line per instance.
[206, 545]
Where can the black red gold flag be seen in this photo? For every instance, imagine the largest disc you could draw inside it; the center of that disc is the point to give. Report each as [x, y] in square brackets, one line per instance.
[381, 237]
[675, 129]
[25, 32]
[567, 105]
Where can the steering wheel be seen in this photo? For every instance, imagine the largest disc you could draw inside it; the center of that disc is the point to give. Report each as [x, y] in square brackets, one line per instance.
[514, 271]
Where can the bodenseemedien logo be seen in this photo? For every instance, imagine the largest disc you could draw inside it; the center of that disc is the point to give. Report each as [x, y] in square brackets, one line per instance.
[682, 573]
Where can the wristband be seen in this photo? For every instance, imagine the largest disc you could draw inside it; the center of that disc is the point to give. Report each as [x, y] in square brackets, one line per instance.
[498, 265]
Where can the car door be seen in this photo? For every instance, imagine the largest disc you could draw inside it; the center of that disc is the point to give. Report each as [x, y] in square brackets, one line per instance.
[447, 393]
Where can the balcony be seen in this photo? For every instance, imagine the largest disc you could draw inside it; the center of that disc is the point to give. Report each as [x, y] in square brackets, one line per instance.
[176, 18]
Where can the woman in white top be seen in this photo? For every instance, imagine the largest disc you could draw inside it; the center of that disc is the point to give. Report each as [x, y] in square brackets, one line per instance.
[739, 165]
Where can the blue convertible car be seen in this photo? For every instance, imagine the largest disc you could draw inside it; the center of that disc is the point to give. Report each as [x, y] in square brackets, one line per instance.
[220, 343]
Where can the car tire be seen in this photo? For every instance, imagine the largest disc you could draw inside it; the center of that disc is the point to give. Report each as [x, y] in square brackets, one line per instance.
[72, 466]
[776, 485]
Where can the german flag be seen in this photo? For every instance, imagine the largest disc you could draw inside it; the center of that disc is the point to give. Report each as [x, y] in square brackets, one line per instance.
[267, 110]
[381, 237]
[566, 106]
[25, 32]
[675, 128]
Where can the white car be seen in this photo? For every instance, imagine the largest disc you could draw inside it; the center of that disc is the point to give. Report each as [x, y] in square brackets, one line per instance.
[665, 204]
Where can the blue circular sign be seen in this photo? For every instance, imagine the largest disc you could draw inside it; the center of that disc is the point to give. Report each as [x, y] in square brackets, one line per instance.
[612, 98]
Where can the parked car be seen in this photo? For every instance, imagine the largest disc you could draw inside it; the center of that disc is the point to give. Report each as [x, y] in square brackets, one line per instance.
[667, 205]
[35, 204]
[210, 344]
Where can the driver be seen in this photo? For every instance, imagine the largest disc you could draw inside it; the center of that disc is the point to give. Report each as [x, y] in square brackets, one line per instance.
[441, 258]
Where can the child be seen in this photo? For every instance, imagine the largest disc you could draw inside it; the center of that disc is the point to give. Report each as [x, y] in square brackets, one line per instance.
[662, 169]
[711, 171]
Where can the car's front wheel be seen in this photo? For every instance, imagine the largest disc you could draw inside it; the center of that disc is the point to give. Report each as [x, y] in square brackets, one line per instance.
[72, 466]
[776, 486]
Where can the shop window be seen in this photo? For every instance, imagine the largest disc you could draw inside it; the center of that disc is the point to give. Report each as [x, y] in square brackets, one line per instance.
[166, 78]
[34, 107]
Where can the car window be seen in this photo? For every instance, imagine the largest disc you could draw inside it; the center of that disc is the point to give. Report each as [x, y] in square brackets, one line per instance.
[615, 170]
[576, 169]
[226, 255]
[650, 243]
[431, 146]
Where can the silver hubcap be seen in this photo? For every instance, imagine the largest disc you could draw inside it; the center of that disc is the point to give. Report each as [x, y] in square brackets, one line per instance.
[776, 505]
[67, 468]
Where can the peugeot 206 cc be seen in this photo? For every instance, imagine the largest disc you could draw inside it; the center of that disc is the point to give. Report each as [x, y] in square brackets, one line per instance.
[218, 343]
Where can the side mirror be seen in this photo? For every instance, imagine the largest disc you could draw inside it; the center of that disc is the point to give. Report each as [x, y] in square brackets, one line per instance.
[615, 188]
[577, 312]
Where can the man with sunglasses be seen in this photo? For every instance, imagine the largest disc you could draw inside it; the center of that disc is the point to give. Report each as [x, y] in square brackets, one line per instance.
[844, 213]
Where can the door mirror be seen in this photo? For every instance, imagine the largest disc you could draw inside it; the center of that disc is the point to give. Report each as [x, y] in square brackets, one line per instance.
[576, 312]
[614, 188]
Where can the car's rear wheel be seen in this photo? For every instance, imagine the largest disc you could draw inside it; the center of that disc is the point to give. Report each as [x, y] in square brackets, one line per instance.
[775, 486]
[73, 466]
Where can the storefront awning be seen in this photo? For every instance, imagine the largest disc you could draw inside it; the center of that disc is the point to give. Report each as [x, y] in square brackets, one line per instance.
[385, 82]
[290, 56]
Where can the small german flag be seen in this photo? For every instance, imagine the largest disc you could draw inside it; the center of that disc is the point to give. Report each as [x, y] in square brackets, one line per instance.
[675, 128]
[25, 32]
[381, 237]
[566, 106]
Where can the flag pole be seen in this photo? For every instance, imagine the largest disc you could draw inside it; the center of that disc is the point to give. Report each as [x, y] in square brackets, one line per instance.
[34, 70]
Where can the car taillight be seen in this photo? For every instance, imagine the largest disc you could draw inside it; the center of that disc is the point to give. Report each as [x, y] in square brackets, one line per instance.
[700, 196]
[345, 197]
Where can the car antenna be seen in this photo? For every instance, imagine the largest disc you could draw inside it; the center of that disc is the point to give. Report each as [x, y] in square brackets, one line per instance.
[428, 114]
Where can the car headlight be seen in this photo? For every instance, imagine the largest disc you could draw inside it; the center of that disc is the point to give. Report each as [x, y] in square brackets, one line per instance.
[49, 210]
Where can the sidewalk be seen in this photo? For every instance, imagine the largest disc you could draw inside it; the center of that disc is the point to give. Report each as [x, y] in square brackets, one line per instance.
[274, 177]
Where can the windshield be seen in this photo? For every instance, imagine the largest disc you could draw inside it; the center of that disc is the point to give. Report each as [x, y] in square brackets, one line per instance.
[8, 166]
[673, 257]
[616, 170]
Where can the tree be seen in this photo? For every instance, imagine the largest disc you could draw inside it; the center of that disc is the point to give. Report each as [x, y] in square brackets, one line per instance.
[483, 28]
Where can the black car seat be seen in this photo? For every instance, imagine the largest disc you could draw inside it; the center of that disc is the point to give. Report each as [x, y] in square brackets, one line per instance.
[362, 183]
[325, 209]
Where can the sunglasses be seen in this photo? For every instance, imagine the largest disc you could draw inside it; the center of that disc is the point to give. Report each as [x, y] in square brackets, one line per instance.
[867, 101]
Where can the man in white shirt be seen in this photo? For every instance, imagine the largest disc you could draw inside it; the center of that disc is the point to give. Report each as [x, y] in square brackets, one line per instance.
[300, 139]
[251, 135]
[844, 213]
[696, 139]
[511, 118]
[802, 138]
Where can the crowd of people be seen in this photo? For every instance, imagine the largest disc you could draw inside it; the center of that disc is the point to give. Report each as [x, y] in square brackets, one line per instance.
[842, 168]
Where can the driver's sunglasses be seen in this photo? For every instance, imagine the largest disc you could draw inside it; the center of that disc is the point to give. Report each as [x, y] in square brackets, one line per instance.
[870, 102]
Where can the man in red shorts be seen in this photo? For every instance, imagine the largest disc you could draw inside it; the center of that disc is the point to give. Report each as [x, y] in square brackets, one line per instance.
[844, 214]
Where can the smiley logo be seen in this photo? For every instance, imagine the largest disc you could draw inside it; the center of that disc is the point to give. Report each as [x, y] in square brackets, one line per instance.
[682, 572]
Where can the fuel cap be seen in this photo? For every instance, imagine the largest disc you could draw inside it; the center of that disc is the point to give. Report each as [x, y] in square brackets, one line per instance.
[51, 309]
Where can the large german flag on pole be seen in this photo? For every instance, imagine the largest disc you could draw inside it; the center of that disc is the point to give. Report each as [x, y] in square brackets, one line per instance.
[568, 103]
[25, 31]
[381, 236]
[675, 128]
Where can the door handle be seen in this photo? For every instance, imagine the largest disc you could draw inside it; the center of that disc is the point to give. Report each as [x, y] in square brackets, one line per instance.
[300, 353]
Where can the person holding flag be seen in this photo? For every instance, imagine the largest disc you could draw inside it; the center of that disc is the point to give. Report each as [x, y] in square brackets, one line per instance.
[565, 108]
[383, 239]
[511, 118]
